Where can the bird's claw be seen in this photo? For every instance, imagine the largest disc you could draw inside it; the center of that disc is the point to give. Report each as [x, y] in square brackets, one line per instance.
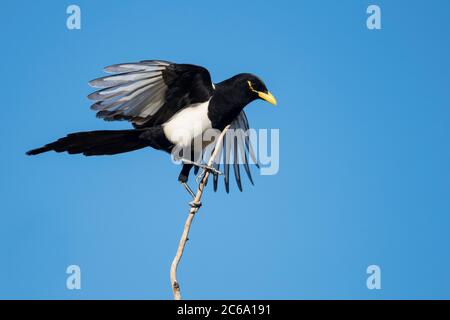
[214, 171]
[195, 205]
[205, 168]
[200, 176]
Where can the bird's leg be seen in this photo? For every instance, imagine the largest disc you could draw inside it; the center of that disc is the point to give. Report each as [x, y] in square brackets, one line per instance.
[183, 178]
[188, 189]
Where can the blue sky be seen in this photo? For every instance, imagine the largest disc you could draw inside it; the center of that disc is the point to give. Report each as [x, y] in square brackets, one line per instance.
[364, 153]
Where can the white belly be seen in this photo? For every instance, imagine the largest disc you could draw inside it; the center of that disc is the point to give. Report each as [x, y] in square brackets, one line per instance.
[188, 124]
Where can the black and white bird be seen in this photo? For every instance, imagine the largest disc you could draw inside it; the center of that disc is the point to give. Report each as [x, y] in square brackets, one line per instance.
[169, 105]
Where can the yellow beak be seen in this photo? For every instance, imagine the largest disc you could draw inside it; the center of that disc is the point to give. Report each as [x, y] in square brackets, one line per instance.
[268, 97]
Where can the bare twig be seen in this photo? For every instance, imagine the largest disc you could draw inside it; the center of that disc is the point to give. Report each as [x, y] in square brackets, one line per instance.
[190, 218]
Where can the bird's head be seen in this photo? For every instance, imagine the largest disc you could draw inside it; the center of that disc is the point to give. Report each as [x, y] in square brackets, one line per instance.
[249, 88]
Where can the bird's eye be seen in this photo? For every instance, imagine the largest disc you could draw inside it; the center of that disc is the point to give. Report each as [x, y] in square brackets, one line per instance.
[250, 85]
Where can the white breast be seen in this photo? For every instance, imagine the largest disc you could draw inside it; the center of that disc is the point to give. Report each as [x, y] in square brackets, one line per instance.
[188, 124]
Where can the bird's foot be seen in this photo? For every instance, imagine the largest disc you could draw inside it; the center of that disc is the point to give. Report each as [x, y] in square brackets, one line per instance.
[205, 169]
[200, 176]
[202, 166]
[195, 205]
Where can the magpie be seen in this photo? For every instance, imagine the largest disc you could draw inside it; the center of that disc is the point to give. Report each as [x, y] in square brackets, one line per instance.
[169, 106]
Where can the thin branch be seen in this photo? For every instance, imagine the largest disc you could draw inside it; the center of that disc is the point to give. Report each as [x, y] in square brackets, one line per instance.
[190, 218]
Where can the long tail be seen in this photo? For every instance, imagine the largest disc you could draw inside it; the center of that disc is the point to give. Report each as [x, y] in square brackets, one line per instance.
[96, 143]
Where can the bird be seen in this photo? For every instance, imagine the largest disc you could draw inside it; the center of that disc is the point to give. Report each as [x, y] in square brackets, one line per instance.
[164, 101]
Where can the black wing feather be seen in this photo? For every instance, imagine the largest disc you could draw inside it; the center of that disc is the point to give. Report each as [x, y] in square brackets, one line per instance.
[237, 174]
[237, 142]
[216, 166]
[226, 164]
[149, 92]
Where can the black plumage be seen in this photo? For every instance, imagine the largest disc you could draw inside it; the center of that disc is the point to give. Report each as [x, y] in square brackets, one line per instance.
[160, 98]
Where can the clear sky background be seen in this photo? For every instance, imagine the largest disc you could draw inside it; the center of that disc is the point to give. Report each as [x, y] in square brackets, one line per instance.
[364, 153]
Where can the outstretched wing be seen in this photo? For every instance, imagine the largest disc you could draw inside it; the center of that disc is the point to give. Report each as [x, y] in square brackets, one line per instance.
[149, 92]
[236, 150]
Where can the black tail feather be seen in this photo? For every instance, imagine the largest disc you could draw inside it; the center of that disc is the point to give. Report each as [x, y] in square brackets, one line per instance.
[96, 143]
